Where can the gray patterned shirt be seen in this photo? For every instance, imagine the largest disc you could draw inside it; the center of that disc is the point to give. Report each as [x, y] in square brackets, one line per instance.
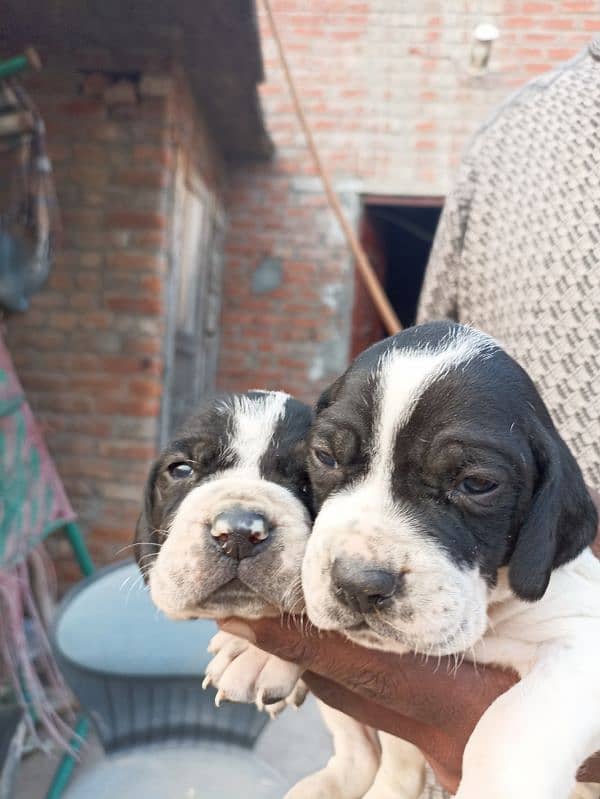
[517, 251]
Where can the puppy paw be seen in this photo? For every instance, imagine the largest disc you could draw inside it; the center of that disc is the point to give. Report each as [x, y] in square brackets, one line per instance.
[236, 681]
[242, 673]
[276, 682]
[225, 648]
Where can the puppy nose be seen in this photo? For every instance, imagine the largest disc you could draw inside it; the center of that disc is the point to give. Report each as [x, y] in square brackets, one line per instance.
[238, 531]
[364, 589]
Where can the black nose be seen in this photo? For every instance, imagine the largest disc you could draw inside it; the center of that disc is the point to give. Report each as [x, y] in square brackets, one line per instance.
[363, 588]
[237, 532]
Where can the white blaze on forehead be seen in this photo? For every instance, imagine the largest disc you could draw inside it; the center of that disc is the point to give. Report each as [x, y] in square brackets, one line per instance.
[402, 377]
[254, 423]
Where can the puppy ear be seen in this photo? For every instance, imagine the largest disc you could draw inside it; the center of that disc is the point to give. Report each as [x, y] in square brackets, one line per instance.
[328, 396]
[145, 532]
[561, 522]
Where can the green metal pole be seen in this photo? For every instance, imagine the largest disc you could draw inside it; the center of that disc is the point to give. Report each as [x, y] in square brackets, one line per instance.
[80, 550]
[20, 62]
[65, 768]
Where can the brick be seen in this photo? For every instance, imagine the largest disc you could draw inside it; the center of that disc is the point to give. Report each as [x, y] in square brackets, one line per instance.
[66, 403]
[138, 428]
[64, 320]
[145, 346]
[127, 449]
[85, 107]
[48, 299]
[558, 23]
[137, 261]
[148, 306]
[58, 280]
[96, 468]
[535, 69]
[150, 239]
[539, 8]
[136, 220]
[87, 281]
[146, 388]
[580, 6]
[129, 365]
[86, 425]
[110, 132]
[83, 301]
[562, 53]
[85, 239]
[142, 178]
[520, 23]
[128, 407]
[152, 155]
[90, 153]
[151, 284]
[97, 320]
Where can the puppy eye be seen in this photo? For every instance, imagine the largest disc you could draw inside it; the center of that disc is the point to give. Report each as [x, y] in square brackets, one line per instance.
[325, 458]
[476, 486]
[179, 471]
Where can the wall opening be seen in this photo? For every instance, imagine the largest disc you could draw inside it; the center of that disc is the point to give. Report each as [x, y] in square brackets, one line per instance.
[397, 234]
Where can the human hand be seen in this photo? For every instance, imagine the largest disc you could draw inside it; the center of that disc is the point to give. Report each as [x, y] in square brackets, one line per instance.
[429, 703]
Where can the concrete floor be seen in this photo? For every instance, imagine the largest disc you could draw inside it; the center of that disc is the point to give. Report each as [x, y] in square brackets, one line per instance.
[295, 744]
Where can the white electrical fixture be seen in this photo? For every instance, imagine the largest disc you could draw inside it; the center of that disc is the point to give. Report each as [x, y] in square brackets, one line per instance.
[484, 35]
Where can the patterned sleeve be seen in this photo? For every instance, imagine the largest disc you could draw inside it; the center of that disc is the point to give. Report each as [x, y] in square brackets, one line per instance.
[439, 296]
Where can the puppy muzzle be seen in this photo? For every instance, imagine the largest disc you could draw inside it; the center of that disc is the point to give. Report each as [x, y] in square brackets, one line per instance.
[232, 538]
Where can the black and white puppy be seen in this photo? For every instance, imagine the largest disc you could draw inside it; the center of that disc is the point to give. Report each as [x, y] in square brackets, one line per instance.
[226, 518]
[452, 518]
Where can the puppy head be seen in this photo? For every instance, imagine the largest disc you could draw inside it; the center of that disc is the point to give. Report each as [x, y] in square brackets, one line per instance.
[434, 463]
[227, 507]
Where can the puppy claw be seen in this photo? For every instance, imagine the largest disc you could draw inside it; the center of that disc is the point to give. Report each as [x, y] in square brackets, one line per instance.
[220, 697]
[275, 709]
[296, 699]
[259, 700]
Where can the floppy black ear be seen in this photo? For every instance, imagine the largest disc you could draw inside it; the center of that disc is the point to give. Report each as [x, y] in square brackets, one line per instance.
[329, 395]
[145, 530]
[561, 522]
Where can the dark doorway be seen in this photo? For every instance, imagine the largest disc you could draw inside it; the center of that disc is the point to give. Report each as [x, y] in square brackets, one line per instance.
[397, 234]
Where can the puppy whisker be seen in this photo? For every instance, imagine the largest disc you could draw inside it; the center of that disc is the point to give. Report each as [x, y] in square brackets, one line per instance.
[137, 544]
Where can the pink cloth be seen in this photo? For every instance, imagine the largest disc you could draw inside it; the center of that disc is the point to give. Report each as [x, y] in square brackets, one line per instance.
[33, 504]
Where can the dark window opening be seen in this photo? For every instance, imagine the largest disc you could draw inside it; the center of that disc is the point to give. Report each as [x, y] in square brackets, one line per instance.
[397, 234]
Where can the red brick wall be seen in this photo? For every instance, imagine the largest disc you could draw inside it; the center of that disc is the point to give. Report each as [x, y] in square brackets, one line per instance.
[392, 106]
[91, 350]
